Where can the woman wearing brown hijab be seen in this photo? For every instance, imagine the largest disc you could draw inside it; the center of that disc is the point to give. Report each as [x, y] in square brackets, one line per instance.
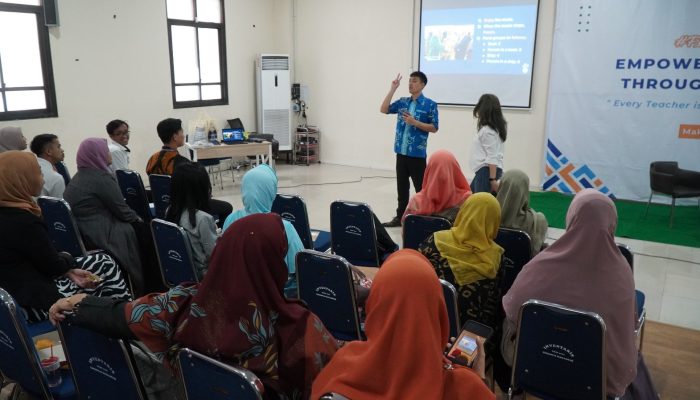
[30, 268]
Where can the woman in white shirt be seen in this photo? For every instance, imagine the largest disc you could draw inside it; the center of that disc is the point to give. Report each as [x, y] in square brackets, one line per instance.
[486, 157]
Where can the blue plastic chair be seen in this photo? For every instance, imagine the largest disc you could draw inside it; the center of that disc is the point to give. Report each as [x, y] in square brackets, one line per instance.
[325, 285]
[134, 193]
[62, 229]
[560, 353]
[160, 191]
[450, 293]
[174, 253]
[103, 367]
[517, 252]
[417, 228]
[353, 234]
[293, 209]
[19, 359]
[205, 378]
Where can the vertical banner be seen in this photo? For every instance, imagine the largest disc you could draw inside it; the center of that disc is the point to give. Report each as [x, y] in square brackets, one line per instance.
[624, 91]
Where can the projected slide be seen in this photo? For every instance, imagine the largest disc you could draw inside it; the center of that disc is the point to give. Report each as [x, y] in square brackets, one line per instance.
[471, 47]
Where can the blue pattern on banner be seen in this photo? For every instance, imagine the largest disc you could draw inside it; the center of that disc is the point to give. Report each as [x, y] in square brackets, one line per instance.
[563, 176]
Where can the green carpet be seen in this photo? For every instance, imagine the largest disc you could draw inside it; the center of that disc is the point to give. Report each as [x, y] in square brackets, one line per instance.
[631, 221]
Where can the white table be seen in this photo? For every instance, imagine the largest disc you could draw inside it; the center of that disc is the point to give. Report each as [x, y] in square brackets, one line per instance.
[262, 151]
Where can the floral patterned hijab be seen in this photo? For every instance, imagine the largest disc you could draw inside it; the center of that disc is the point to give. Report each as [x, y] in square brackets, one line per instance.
[238, 313]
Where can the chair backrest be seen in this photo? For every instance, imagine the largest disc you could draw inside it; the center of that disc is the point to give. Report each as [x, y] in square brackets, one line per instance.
[560, 352]
[353, 234]
[160, 191]
[417, 228]
[517, 252]
[293, 209]
[62, 229]
[134, 193]
[205, 378]
[325, 284]
[19, 360]
[103, 367]
[627, 253]
[661, 176]
[450, 293]
[174, 253]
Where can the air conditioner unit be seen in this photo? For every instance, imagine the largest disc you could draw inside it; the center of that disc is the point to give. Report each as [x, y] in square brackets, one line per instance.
[274, 97]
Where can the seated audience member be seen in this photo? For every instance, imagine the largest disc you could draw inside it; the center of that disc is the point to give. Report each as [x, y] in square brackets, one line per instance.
[189, 193]
[11, 138]
[167, 159]
[49, 152]
[118, 132]
[584, 270]
[468, 257]
[237, 314]
[444, 188]
[103, 217]
[258, 191]
[30, 268]
[514, 198]
[407, 329]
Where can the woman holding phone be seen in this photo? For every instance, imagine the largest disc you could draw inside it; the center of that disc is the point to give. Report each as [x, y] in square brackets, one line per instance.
[486, 159]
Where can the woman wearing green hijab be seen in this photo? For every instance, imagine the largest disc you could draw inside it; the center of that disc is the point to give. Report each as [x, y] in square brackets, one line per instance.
[514, 198]
[468, 257]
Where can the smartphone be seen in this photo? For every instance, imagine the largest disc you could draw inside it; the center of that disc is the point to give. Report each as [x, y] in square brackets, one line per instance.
[465, 349]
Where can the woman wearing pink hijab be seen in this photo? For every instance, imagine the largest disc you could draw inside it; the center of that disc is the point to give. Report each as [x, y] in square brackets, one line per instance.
[444, 188]
[585, 270]
[103, 217]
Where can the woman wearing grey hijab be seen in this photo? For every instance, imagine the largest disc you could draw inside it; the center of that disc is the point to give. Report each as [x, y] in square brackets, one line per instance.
[514, 198]
[11, 138]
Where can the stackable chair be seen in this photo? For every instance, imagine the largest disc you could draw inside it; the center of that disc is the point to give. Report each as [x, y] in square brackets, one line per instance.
[134, 193]
[62, 229]
[205, 378]
[174, 253]
[417, 228]
[517, 252]
[293, 209]
[640, 298]
[353, 234]
[450, 293]
[325, 285]
[160, 190]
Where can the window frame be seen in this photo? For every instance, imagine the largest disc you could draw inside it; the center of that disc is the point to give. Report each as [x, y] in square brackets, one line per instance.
[223, 77]
[49, 88]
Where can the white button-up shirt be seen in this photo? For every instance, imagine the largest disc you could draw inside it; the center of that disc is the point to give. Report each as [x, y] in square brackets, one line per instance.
[120, 155]
[54, 185]
[487, 148]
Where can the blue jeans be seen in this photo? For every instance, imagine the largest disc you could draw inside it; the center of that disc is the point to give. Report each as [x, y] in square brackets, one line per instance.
[481, 182]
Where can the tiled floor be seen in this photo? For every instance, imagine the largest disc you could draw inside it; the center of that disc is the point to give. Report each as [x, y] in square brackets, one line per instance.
[669, 275]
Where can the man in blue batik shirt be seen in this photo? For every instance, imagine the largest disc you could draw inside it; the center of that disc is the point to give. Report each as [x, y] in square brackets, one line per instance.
[417, 117]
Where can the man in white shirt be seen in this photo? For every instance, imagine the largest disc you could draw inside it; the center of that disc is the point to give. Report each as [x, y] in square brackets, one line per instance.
[118, 131]
[49, 152]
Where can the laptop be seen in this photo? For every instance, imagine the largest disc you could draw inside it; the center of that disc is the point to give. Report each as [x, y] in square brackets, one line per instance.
[232, 136]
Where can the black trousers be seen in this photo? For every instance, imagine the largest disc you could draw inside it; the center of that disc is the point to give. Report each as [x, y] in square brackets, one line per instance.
[408, 167]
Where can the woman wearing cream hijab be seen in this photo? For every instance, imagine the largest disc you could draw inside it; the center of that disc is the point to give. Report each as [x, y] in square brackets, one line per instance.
[11, 138]
[514, 198]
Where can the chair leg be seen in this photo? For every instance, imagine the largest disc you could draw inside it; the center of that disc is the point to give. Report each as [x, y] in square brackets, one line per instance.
[673, 208]
[649, 202]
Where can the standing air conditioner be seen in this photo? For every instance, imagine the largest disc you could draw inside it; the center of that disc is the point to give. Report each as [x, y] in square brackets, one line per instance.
[274, 97]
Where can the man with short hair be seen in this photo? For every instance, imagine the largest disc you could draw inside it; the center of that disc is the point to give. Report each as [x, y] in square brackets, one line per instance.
[172, 136]
[49, 152]
[118, 132]
[418, 116]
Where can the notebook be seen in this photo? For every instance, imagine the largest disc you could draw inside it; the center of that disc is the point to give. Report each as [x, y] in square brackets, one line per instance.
[232, 136]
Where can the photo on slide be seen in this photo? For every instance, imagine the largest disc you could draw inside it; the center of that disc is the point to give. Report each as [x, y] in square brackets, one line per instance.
[448, 42]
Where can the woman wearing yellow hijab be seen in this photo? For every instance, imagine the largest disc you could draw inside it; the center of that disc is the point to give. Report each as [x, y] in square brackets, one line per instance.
[468, 257]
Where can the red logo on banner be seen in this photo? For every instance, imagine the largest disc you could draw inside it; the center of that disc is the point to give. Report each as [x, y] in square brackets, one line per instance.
[692, 41]
[689, 131]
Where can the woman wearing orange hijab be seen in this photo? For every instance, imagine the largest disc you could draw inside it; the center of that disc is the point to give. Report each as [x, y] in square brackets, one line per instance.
[407, 328]
[444, 188]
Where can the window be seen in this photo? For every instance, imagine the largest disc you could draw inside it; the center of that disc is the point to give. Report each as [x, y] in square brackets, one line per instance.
[26, 76]
[197, 52]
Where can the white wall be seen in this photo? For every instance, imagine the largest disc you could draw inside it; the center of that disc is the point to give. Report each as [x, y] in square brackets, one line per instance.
[110, 60]
[347, 54]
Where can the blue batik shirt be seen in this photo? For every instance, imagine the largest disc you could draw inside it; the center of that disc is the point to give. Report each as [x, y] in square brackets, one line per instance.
[411, 141]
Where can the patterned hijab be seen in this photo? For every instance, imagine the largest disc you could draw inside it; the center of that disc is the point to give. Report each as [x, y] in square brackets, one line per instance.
[20, 179]
[11, 138]
[94, 153]
[585, 270]
[407, 328]
[469, 245]
[238, 313]
[444, 186]
[514, 198]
